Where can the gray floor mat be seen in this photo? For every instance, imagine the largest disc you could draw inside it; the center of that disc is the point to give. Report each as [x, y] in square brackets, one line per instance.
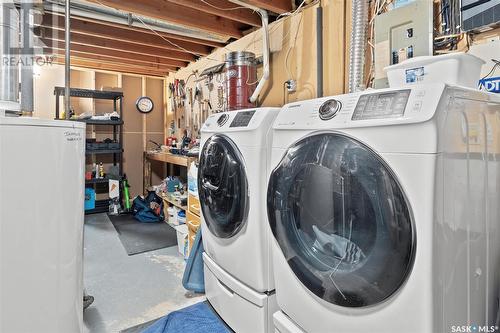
[137, 237]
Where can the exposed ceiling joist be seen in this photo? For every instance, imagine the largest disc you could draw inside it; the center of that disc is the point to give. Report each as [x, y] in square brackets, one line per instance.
[164, 34]
[178, 14]
[113, 68]
[276, 6]
[116, 61]
[223, 8]
[56, 45]
[111, 44]
[123, 34]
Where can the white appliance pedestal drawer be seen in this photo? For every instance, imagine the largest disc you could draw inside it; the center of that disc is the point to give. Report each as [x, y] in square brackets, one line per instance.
[242, 308]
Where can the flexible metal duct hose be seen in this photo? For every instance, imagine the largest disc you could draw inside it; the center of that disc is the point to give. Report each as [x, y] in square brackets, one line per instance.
[358, 44]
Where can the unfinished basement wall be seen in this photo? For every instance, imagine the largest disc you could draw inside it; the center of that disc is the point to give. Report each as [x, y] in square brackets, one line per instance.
[293, 47]
[138, 128]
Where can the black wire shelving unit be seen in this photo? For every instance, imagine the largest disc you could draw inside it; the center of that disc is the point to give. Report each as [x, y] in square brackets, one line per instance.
[101, 206]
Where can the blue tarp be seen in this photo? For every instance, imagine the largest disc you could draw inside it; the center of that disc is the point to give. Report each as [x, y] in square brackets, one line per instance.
[197, 318]
[193, 278]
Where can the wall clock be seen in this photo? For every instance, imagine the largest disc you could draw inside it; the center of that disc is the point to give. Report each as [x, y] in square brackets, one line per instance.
[144, 104]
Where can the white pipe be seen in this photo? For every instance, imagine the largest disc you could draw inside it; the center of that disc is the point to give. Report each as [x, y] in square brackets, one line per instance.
[265, 47]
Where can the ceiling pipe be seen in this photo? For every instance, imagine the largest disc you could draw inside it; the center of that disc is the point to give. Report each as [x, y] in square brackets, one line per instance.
[265, 47]
[97, 12]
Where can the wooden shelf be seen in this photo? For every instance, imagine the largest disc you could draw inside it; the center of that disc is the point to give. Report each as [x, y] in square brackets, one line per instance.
[168, 198]
[168, 158]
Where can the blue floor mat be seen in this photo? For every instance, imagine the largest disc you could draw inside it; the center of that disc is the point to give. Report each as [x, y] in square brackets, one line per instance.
[197, 318]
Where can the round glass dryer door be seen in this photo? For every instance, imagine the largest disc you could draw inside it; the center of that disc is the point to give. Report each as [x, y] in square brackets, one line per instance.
[341, 220]
[222, 186]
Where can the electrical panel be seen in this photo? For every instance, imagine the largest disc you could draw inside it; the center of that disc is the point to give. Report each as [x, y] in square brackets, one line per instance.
[402, 33]
[479, 15]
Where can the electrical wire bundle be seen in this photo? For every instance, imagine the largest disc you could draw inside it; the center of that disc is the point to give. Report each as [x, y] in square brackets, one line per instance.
[448, 35]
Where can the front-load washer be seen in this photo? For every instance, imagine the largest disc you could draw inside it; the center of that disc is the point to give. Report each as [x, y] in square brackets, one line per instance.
[384, 209]
[232, 182]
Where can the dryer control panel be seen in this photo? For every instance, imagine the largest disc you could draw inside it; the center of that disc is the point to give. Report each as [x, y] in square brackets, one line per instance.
[391, 104]
[241, 120]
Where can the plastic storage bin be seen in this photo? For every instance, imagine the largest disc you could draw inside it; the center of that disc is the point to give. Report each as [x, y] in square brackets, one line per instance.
[193, 179]
[89, 199]
[181, 217]
[460, 69]
[182, 240]
[172, 215]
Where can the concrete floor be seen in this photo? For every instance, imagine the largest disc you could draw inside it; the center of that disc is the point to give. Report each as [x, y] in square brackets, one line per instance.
[128, 290]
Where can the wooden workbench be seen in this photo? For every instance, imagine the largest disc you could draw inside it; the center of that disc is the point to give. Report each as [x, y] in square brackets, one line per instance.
[170, 159]
[175, 159]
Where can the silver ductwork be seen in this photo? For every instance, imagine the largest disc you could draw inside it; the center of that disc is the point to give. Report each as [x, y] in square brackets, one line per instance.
[9, 41]
[27, 99]
[358, 45]
[265, 47]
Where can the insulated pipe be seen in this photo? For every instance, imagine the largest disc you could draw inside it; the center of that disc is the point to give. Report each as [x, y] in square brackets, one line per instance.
[265, 47]
[67, 64]
[358, 44]
[116, 16]
[27, 68]
[319, 50]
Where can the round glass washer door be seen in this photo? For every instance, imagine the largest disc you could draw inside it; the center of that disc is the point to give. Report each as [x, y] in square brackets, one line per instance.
[341, 220]
[222, 186]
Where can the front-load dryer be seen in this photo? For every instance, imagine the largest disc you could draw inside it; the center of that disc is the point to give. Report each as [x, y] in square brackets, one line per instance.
[384, 210]
[232, 182]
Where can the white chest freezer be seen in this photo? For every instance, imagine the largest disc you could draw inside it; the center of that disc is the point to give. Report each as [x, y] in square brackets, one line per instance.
[41, 225]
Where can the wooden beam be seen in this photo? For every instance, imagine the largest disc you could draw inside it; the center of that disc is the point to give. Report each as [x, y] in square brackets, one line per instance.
[117, 45]
[163, 34]
[223, 8]
[174, 13]
[276, 6]
[125, 35]
[113, 68]
[55, 45]
[116, 61]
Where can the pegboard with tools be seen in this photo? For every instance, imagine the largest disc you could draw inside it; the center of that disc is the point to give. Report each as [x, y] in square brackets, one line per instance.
[194, 99]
